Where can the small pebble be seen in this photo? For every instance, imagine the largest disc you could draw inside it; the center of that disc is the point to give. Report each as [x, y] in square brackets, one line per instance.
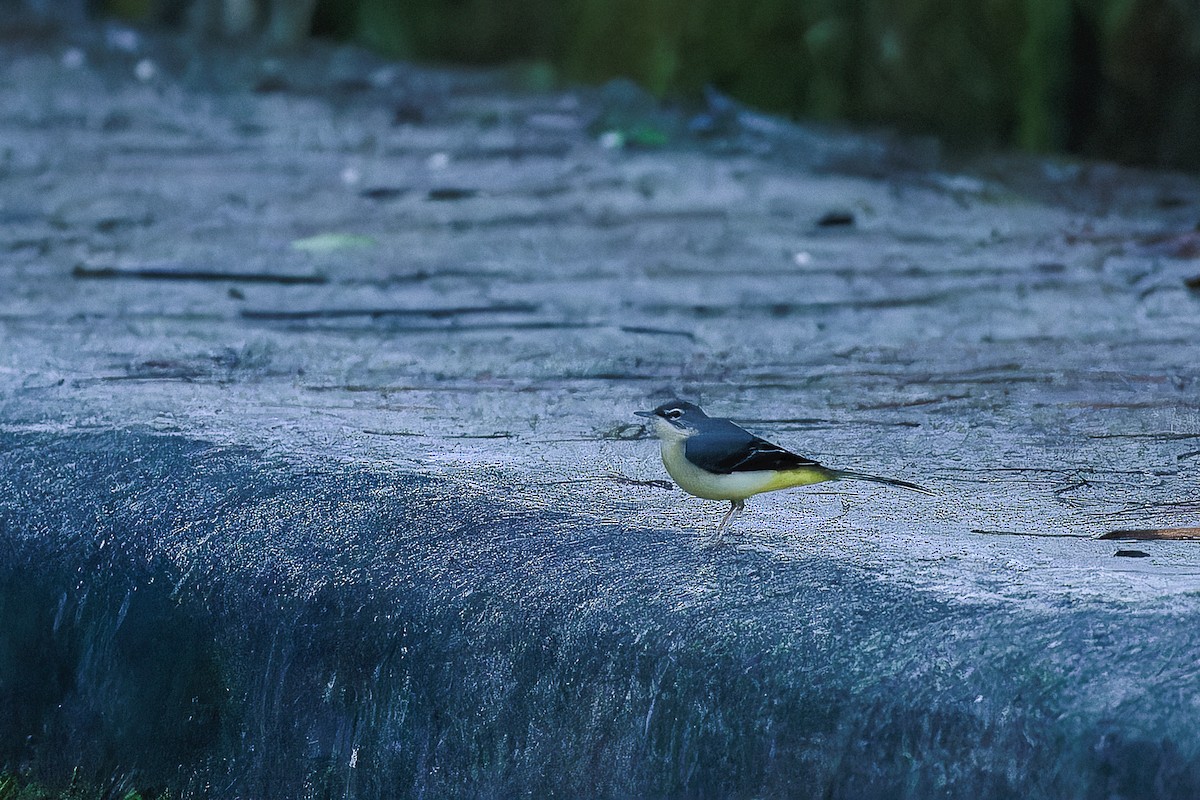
[1131, 554]
[612, 140]
[73, 58]
[383, 77]
[122, 39]
[145, 70]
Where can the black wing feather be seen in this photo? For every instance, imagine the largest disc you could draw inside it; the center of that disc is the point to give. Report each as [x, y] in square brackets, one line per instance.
[731, 449]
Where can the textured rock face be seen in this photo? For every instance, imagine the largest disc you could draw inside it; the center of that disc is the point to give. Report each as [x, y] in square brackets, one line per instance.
[317, 445]
[214, 620]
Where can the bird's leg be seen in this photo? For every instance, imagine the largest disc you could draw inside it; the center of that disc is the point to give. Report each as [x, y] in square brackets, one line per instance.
[735, 508]
[845, 508]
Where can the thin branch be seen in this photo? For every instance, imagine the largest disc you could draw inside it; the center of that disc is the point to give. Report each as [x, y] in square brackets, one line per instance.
[1031, 533]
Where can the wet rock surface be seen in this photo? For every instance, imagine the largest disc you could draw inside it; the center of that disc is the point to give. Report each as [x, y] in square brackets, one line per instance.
[320, 475]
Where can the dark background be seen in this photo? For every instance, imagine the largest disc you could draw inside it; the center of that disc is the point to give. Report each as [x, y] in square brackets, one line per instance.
[1112, 79]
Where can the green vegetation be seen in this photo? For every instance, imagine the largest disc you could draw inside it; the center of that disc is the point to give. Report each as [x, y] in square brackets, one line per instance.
[1110, 78]
[14, 787]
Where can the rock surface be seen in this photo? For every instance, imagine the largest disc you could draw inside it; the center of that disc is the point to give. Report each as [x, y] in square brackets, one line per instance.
[320, 475]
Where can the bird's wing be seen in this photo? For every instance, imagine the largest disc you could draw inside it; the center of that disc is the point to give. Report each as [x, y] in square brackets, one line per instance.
[729, 448]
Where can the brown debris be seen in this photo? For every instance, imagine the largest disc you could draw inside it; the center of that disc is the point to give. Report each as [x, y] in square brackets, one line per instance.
[1154, 533]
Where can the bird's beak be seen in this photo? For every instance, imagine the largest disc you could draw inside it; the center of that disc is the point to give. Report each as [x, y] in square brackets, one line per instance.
[644, 414]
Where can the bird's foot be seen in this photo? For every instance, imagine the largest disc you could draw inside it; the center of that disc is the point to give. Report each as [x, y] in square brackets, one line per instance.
[735, 508]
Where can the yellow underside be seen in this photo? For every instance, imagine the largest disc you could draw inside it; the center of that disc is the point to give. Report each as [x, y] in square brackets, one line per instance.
[786, 479]
[733, 486]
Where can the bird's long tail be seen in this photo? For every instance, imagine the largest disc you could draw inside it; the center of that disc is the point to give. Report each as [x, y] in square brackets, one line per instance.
[841, 475]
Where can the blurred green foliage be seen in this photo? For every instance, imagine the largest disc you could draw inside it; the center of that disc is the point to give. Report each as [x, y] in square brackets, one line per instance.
[1110, 78]
[14, 787]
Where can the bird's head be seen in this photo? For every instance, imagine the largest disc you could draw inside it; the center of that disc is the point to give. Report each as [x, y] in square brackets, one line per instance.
[675, 419]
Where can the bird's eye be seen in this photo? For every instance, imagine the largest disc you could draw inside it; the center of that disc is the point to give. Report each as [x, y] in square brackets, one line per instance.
[673, 413]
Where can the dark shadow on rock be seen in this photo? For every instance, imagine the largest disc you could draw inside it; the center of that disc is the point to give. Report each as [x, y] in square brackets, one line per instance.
[206, 620]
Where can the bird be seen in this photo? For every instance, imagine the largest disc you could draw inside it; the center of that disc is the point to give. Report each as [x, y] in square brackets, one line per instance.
[716, 459]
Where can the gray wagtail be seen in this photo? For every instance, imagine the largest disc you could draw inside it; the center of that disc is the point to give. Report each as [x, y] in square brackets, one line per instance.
[713, 458]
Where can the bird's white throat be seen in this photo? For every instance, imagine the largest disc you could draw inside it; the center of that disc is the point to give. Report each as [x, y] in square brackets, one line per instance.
[669, 433]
